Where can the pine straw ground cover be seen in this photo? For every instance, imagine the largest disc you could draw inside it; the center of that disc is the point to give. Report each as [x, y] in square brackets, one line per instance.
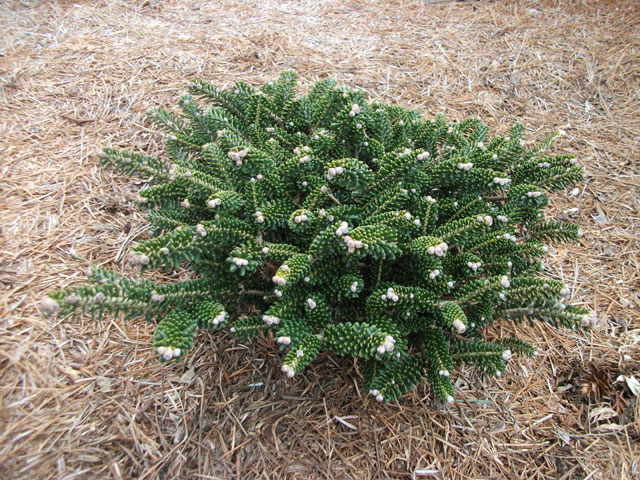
[82, 399]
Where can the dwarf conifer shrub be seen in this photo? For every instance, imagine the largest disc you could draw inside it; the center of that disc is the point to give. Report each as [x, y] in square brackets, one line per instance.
[347, 226]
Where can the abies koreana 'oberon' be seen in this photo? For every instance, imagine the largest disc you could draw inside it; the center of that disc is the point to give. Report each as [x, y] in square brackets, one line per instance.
[351, 227]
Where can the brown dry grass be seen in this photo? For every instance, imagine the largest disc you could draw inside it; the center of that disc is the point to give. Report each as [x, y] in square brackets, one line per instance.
[82, 399]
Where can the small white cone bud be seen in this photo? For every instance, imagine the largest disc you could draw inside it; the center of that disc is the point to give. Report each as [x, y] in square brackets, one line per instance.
[506, 355]
[459, 326]
[449, 399]
[381, 350]
[49, 305]
[311, 303]
[71, 299]
[278, 280]
[431, 250]
[504, 281]
[265, 250]
[379, 397]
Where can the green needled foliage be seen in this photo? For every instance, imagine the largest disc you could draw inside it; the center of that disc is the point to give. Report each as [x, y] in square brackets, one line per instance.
[347, 226]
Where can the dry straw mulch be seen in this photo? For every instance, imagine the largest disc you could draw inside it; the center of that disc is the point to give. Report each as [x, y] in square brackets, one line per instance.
[83, 399]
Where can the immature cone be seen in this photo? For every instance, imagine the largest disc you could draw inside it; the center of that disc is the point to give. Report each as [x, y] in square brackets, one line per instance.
[49, 305]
